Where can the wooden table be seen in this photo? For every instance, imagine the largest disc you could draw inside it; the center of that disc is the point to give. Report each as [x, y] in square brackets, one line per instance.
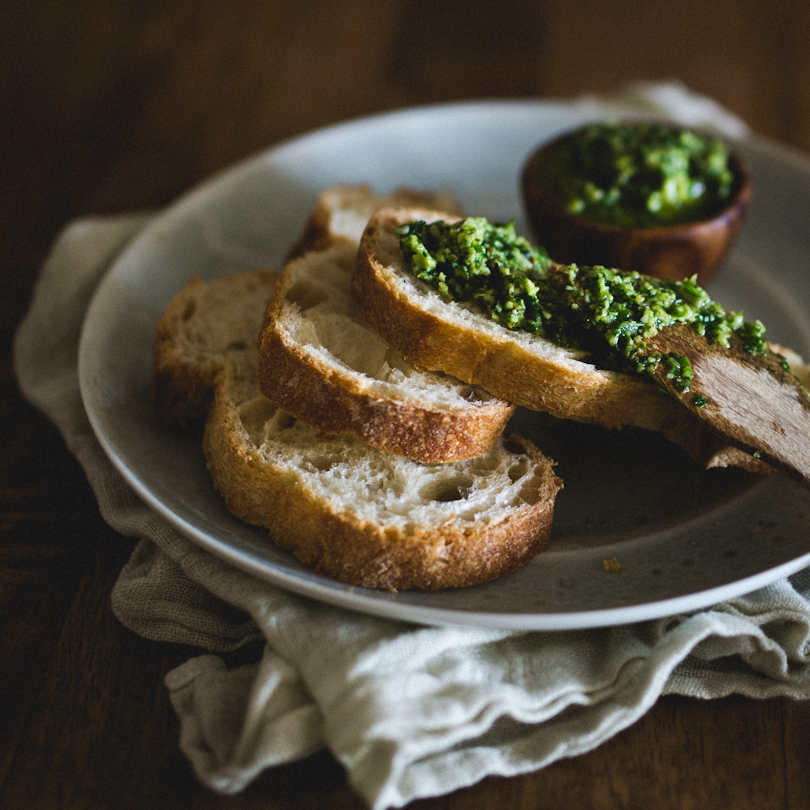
[124, 104]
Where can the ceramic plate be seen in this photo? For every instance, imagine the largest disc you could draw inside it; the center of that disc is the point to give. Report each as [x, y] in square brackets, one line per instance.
[685, 538]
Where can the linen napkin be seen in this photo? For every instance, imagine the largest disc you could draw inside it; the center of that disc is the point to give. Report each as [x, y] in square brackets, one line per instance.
[410, 711]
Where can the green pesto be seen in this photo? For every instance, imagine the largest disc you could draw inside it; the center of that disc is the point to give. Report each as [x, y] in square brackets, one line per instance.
[638, 174]
[610, 313]
[475, 260]
[627, 308]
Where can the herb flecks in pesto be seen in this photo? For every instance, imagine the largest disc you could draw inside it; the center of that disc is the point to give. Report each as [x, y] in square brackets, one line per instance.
[628, 308]
[489, 264]
[609, 313]
[638, 174]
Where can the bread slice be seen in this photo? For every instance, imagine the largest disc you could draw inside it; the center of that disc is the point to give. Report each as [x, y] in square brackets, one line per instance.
[341, 212]
[202, 329]
[320, 361]
[515, 365]
[346, 510]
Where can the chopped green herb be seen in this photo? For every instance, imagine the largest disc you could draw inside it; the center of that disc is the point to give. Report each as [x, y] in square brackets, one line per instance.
[473, 260]
[638, 174]
[627, 308]
[610, 313]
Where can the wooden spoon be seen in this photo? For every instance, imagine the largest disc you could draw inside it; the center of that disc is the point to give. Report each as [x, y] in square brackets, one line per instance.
[750, 399]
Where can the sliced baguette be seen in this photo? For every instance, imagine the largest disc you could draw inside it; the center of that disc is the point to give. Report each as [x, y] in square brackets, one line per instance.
[201, 329]
[320, 361]
[341, 212]
[346, 510]
[512, 364]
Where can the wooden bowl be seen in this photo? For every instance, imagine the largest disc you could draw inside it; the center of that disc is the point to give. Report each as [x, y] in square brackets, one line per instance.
[671, 251]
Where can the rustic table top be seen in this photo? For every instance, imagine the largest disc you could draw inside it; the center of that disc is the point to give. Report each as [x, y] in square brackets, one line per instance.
[123, 105]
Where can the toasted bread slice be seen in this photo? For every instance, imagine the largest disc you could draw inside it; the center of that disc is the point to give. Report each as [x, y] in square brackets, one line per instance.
[515, 365]
[320, 361]
[346, 510]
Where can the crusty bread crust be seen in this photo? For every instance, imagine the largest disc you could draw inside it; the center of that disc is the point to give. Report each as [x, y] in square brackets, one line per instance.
[334, 541]
[306, 369]
[514, 365]
[348, 511]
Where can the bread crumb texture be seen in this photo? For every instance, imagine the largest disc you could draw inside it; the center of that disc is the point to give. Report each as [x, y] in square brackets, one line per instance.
[350, 511]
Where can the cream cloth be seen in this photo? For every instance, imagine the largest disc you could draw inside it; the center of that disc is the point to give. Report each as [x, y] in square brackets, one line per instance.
[410, 711]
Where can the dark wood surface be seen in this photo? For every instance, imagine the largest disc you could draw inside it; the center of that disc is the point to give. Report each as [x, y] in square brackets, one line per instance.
[124, 104]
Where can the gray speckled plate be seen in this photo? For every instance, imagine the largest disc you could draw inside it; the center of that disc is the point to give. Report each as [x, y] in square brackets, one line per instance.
[685, 538]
